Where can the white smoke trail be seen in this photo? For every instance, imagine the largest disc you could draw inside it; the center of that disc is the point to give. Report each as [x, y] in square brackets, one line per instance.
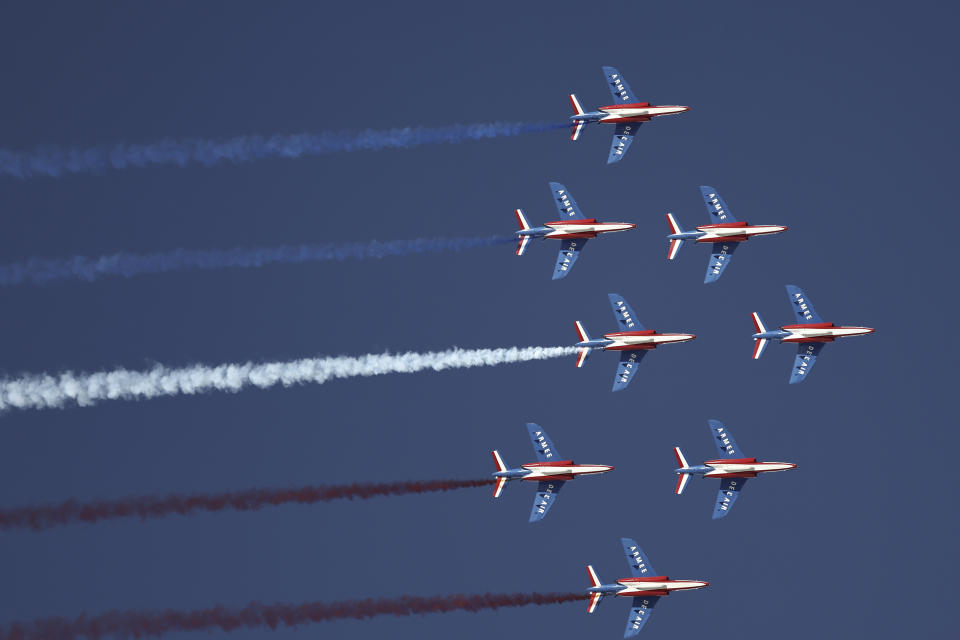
[85, 389]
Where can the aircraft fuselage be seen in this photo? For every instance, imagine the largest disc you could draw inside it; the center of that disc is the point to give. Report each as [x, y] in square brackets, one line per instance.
[820, 332]
[744, 468]
[636, 112]
[656, 586]
[735, 232]
[561, 470]
[589, 228]
[647, 339]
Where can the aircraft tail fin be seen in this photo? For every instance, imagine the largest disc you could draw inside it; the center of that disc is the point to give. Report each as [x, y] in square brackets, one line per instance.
[578, 125]
[501, 466]
[759, 344]
[584, 352]
[682, 478]
[675, 243]
[523, 241]
[594, 597]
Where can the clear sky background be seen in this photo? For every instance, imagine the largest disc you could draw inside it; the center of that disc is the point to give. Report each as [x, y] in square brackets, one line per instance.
[835, 120]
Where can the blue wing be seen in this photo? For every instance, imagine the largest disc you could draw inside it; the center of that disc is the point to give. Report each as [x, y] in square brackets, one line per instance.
[637, 559]
[546, 496]
[729, 491]
[807, 353]
[622, 137]
[566, 205]
[719, 259]
[569, 252]
[542, 445]
[716, 207]
[802, 307]
[640, 612]
[629, 363]
[726, 445]
[626, 318]
[619, 88]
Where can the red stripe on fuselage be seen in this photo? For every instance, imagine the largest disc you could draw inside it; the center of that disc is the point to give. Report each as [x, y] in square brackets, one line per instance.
[632, 105]
[584, 221]
[812, 325]
[724, 225]
[650, 579]
[558, 463]
[644, 332]
[732, 461]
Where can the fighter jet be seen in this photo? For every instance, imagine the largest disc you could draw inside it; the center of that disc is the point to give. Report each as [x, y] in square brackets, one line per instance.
[573, 230]
[724, 231]
[633, 341]
[549, 471]
[732, 469]
[811, 333]
[627, 112]
[645, 586]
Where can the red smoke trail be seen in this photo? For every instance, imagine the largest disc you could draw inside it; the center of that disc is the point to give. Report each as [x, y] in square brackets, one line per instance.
[154, 623]
[44, 517]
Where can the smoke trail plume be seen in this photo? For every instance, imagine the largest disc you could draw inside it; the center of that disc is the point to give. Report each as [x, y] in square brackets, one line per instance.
[56, 161]
[256, 615]
[128, 265]
[143, 507]
[55, 391]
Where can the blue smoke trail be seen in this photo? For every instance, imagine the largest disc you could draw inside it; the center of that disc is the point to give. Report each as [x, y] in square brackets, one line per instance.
[128, 265]
[53, 161]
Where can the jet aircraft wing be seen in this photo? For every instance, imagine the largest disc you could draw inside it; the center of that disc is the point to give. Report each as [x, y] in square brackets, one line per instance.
[619, 89]
[806, 356]
[637, 559]
[802, 307]
[726, 445]
[566, 205]
[546, 495]
[640, 612]
[716, 207]
[626, 318]
[622, 137]
[629, 363]
[570, 249]
[542, 445]
[729, 491]
[719, 259]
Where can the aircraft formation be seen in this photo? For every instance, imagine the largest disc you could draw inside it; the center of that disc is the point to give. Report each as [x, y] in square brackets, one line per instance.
[632, 340]
[724, 233]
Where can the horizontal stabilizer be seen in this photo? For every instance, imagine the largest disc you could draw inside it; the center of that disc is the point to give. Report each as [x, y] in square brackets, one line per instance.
[522, 245]
[758, 347]
[497, 460]
[594, 601]
[681, 483]
[581, 332]
[674, 225]
[582, 356]
[497, 490]
[681, 461]
[672, 250]
[594, 579]
[578, 126]
[758, 323]
[522, 220]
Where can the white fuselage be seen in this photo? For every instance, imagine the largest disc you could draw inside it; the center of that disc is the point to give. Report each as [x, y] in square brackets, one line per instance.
[620, 340]
[719, 233]
[805, 333]
[753, 467]
[640, 112]
[560, 228]
[571, 470]
[634, 588]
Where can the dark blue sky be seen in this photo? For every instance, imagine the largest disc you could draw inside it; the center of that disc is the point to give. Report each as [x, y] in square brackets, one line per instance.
[834, 120]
